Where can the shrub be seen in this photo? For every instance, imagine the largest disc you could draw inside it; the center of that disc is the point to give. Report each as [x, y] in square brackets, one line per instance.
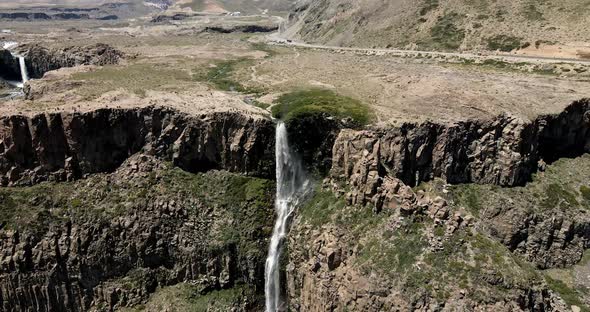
[320, 101]
[504, 43]
[445, 34]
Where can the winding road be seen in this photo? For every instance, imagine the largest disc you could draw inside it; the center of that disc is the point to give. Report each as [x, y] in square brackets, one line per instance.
[276, 38]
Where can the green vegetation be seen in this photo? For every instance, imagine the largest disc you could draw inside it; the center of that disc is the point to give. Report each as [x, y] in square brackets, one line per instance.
[558, 188]
[469, 196]
[135, 78]
[319, 210]
[399, 251]
[445, 34]
[558, 195]
[569, 295]
[187, 298]
[244, 204]
[464, 260]
[220, 76]
[29, 207]
[264, 47]
[398, 254]
[320, 101]
[505, 43]
[429, 5]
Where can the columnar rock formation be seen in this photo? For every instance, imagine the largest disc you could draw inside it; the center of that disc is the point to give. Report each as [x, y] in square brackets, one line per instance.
[66, 146]
[502, 151]
[77, 262]
[377, 165]
[83, 260]
[40, 60]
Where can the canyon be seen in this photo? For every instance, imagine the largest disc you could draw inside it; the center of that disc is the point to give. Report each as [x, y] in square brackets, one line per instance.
[128, 150]
[203, 157]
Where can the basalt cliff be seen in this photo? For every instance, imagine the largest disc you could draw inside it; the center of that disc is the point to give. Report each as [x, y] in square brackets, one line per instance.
[40, 59]
[118, 208]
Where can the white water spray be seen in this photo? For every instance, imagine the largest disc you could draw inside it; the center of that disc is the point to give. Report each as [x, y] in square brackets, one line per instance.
[23, 69]
[292, 185]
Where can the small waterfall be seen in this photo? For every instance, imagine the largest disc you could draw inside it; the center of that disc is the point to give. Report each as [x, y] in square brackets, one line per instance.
[292, 185]
[23, 69]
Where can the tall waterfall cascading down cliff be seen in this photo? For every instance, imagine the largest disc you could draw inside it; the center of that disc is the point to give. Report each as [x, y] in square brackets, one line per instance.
[23, 69]
[292, 185]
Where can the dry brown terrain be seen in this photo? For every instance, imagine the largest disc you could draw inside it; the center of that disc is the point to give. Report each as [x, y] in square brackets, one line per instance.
[165, 60]
[444, 25]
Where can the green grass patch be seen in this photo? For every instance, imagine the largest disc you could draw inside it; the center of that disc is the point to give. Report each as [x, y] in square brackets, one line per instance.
[394, 256]
[221, 76]
[569, 295]
[136, 78]
[322, 101]
[184, 297]
[319, 209]
[468, 196]
[557, 195]
[264, 47]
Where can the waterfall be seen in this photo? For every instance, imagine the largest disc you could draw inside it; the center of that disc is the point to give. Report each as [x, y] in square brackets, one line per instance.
[292, 185]
[23, 69]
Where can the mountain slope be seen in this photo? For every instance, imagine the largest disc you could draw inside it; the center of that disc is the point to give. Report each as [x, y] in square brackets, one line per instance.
[442, 24]
[245, 6]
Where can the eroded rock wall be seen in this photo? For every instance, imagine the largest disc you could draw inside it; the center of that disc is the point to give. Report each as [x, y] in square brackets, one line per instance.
[9, 67]
[66, 146]
[40, 59]
[111, 241]
[502, 151]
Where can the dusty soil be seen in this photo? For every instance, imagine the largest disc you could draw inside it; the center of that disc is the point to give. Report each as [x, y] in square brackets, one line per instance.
[164, 59]
[400, 89]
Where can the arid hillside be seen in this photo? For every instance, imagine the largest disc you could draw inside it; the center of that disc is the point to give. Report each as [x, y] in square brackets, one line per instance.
[444, 24]
[244, 6]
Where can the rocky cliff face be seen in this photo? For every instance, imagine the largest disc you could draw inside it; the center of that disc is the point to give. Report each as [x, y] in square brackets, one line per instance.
[66, 146]
[136, 225]
[419, 254]
[111, 240]
[9, 67]
[418, 250]
[503, 151]
[41, 60]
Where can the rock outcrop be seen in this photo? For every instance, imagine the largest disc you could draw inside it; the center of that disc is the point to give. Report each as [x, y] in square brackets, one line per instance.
[502, 151]
[9, 67]
[375, 167]
[67, 146]
[121, 236]
[548, 239]
[41, 60]
[400, 259]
